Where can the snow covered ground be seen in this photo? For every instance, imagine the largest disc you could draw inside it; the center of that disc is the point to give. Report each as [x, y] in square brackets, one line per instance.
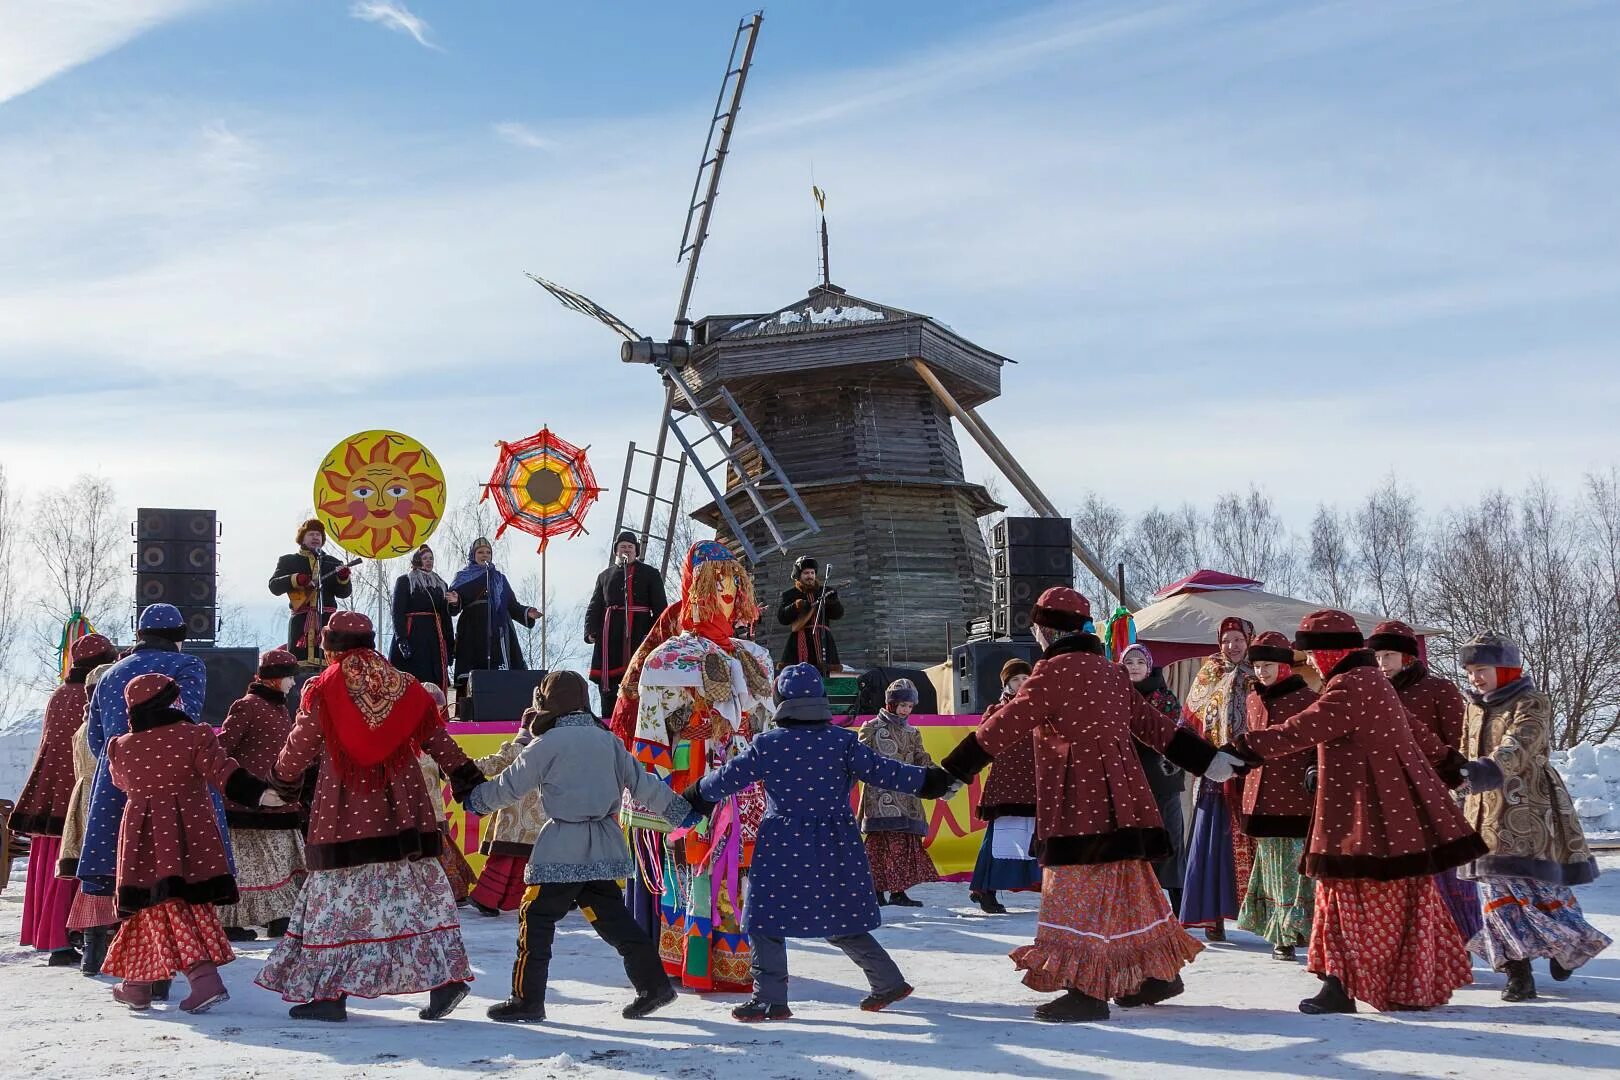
[970, 1016]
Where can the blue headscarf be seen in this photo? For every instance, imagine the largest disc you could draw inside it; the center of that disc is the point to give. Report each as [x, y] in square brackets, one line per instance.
[498, 589]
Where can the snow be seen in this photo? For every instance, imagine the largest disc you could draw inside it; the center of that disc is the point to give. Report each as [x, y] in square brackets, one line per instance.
[1592, 775]
[19, 740]
[970, 1016]
[855, 313]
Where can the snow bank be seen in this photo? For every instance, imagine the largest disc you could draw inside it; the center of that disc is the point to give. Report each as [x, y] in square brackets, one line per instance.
[19, 739]
[1592, 774]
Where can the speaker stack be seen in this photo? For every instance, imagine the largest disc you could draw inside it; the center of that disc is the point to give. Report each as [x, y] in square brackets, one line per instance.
[1031, 555]
[176, 557]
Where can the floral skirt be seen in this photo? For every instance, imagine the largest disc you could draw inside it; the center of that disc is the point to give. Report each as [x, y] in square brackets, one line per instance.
[156, 943]
[1462, 901]
[1277, 906]
[380, 928]
[456, 867]
[991, 874]
[269, 871]
[1526, 919]
[91, 911]
[898, 861]
[501, 886]
[1391, 943]
[47, 899]
[1103, 930]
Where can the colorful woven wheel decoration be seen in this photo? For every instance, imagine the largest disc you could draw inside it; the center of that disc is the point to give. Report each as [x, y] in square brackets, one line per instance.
[543, 486]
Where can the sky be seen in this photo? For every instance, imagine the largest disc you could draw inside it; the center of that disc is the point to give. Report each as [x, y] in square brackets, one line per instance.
[1293, 244]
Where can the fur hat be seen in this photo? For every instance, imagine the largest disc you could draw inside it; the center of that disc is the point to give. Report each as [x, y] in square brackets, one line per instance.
[150, 698]
[348, 630]
[309, 526]
[93, 647]
[901, 690]
[1061, 608]
[277, 664]
[1392, 635]
[1271, 647]
[1014, 668]
[1491, 649]
[1328, 629]
[1232, 622]
[803, 563]
[628, 537]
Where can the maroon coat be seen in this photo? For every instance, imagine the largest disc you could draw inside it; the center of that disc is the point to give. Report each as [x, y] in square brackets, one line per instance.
[1381, 811]
[255, 730]
[1093, 803]
[1434, 701]
[169, 846]
[1275, 802]
[382, 814]
[43, 805]
[1009, 790]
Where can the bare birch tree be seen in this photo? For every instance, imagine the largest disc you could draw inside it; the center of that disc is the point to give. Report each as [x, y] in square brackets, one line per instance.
[81, 547]
[1331, 560]
[1391, 548]
[11, 596]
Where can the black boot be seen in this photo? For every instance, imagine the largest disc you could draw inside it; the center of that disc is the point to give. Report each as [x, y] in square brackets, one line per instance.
[96, 941]
[755, 1011]
[443, 1001]
[1330, 999]
[515, 1010]
[277, 928]
[239, 934]
[990, 905]
[1072, 1008]
[1175, 901]
[1521, 984]
[650, 1001]
[900, 899]
[73, 958]
[1558, 971]
[876, 1002]
[1151, 992]
[332, 1012]
[1284, 952]
[160, 989]
[485, 910]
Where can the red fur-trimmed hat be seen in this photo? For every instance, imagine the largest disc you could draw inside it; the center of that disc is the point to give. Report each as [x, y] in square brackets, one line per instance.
[1392, 635]
[150, 692]
[1061, 608]
[277, 664]
[1272, 647]
[348, 630]
[92, 647]
[1328, 629]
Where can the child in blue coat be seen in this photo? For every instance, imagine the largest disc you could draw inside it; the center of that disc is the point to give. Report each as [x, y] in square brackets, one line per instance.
[810, 876]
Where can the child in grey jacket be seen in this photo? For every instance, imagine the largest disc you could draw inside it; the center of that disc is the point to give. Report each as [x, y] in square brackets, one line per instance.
[581, 770]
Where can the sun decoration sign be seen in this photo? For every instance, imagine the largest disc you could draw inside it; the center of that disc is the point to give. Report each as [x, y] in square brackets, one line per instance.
[380, 494]
[543, 486]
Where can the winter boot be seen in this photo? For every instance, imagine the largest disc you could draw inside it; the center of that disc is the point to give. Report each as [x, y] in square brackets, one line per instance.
[883, 901]
[1284, 952]
[1558, 971]
[900, 899]
[515, 1010]
[160, 990]
[1521, 984]
[207, 989]
[1072, 1008]
[240, 934]
[333, 1012]
[1151, 992]
[443, 1001]
[990, 905]
[876, 1002]
[137, 995]
[756, 1011]
[650, 1001]
[96, 941]
[1216, 933]
[73, 958]
[277, 928]
[485, 910]
[1330, 999]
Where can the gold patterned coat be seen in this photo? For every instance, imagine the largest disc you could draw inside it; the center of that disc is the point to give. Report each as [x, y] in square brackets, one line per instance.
[883, 810]
[1524, 812]
[513, 829]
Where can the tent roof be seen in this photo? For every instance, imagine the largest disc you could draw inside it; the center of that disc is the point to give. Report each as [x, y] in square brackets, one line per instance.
[1206, 580]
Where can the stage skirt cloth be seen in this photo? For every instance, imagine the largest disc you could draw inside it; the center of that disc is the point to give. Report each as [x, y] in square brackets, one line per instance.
[899, 861]
[1278, 904]
[1211, 894]
[269, 871]
[1461, 898]
[370, 930]
[1103, 930]
[457, 870]
[500, 886]
[47, 899]
[159, 942]
[1525, 919]
[90, 911]
[1391, 943]
[991, 874]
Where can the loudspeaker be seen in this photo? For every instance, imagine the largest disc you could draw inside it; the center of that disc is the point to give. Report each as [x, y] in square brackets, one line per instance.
[181, 590]
[873, 681]
[1029, 561]
[1012, 599]
[976, 671]
[229, 672]
[156, 523]
[487, 696]
[1011, 532]
[175, 563]
[174, 556]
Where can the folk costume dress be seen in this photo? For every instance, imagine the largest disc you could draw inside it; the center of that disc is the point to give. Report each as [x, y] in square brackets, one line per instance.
[424, 627]
[313, 582]
[486, 637]
[265, 841]
[700, 697]
[811, 644]
[1219, 855]
[893, 821]
[1007, 801]
[508, 838]
[376, 915]
[1277, 815]
[1105, 927]
[626, 601]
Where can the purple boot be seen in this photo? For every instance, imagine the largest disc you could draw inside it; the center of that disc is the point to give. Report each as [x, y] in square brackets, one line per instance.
[137, 995]
[207, 989]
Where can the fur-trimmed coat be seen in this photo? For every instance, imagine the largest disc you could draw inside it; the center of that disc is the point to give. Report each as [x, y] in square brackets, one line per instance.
[513, 829]
[1275, 802]
[1526, 816]
[43, 805]
[882, 809]
[1093, 802]
[84, 774]
[255, 729]
[1381, 811]
[1009, 789]
[1433, 701]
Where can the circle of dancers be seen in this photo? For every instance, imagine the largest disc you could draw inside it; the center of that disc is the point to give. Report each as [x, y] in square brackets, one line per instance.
[1372, 814]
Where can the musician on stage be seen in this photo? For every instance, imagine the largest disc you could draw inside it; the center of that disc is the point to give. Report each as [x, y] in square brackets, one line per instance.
[486, 630]
[313, 582]
[628, 596]
[806, 609]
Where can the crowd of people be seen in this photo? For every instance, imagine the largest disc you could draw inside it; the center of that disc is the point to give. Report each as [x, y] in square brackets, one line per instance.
[1347, 801]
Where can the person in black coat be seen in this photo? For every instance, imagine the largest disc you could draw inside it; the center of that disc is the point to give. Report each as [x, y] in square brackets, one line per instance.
[628, 596]
[806, 609]
[424, 633]
[486, 637]
[1165, 778]
[313, 582]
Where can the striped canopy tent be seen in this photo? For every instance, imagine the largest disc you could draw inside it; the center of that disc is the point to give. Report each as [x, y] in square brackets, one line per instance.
[542, 485]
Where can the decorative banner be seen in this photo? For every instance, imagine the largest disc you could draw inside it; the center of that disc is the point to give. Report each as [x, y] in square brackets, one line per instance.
[380, 494]
[542, 486]
[76, 627]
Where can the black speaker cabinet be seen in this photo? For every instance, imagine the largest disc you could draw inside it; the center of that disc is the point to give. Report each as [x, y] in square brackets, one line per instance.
[1012, 599]
[976, 671]
[161, 523]
[493, 696]
[874, 681]
[1011, 532]
[229, 672]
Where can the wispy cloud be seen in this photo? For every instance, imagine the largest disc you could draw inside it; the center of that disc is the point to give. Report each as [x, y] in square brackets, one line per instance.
[39, 41]
[523, 135]
[396, 17]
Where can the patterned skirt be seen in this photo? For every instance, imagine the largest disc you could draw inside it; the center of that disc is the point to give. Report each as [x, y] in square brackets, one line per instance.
[370, 930]
[1278, 904]
[457, 869]
[991, 874]
[269, 871]
[1219, 862]
[156, 943]
[700, 935]
[1103, 930]
[1391, 943]
[1526, 919]
[500, 886]
[47, 899]
[899, 861]
[1462, 901]
[92, 911]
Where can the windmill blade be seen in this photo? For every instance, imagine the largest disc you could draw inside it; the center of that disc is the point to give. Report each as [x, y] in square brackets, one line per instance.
[714, 160]
[583, 304]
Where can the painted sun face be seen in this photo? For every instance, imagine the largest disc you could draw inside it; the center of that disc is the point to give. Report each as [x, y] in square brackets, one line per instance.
[380, 493]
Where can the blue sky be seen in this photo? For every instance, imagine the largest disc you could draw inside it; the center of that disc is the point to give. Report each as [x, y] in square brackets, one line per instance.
[1294, 243]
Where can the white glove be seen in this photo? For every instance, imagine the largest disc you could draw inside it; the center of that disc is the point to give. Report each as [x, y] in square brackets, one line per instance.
[1223, 768]
[270, 798]
[952, 791]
